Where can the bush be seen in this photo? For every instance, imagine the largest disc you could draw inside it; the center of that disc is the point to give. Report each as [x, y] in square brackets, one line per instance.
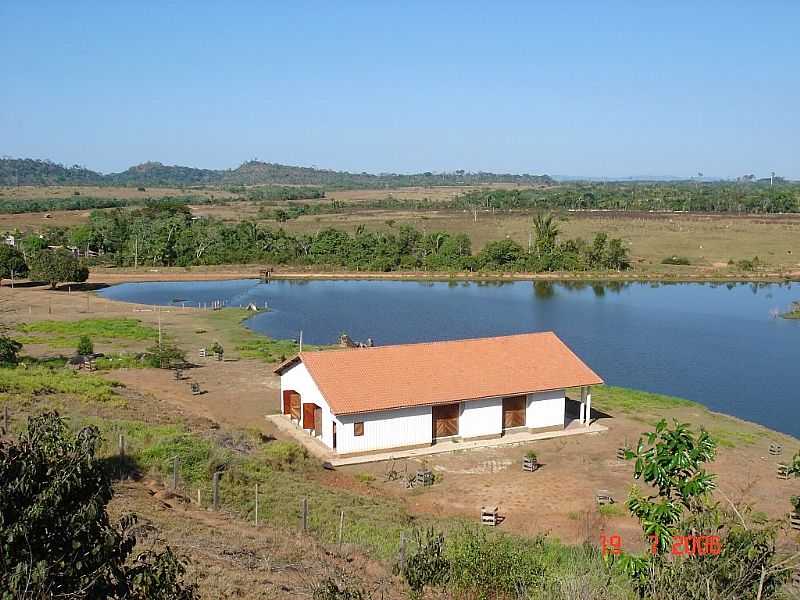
[164, 356]
[795, 502]
[749, 264]
[85, 346]
[53, 482]
[9, 348]
[675, 260]
[425, 565]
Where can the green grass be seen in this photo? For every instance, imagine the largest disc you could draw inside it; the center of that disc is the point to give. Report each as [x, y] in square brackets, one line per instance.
[65, 334]
[610, 398]
[21, 384]
[730, 438]
[611, 510]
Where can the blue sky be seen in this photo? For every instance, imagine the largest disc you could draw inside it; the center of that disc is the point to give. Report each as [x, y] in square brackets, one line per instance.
[576, 88]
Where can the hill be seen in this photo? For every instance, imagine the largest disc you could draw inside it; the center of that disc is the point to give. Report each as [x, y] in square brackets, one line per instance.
[41, 172]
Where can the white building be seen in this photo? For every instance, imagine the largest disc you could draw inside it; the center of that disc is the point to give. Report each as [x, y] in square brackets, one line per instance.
[412, 395]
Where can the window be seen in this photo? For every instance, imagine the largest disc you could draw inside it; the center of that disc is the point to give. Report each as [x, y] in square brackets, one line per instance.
[358, 428]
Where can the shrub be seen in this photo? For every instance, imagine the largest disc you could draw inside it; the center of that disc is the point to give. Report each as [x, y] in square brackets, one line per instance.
[9, 348]
[426, 564]
[53, 482]
[284, 455]
[675, 260]
[795, 502]
[163, 356]
[531, 455]
[749, 264]
[85, 346]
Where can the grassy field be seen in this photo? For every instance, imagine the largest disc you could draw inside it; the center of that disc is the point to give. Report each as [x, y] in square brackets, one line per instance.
[65, 334]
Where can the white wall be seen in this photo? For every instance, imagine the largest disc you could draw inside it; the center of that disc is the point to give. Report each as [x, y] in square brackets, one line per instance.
[299, 379]
[481, 417]
[545, 409]
[385, 429]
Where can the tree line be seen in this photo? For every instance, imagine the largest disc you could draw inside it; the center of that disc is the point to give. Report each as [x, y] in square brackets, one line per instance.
[168, 235]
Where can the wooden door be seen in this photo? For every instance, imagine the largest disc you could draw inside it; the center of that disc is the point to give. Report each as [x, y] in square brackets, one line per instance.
[294, 405]
[308, 415]
[445, 420]
[334, 435]
[318, 421]
[287, 401]
[513, 412]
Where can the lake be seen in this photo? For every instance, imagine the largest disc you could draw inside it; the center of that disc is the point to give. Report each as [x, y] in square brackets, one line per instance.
[718, 344]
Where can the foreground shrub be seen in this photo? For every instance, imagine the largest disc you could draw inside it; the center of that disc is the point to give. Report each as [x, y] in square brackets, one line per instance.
[425, 564]
[56, 538]
[85, 346]
[9, 350]
[675, 260]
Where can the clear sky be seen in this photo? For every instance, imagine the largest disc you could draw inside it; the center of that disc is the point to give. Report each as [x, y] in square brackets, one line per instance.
[573, 88]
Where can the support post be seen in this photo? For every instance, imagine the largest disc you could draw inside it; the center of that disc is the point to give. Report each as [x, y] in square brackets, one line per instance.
[5, 419]
[304, 509]
[256, 505]
[583, 405]
[174, 473]
[341, 528]
[121, 446]
[402, 558]
[215, 491]
[588, 406]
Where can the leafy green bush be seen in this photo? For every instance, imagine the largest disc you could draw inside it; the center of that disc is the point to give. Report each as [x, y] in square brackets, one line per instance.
[425, 564]
[9, 350]
[85, 346]
[795, 502]
[53, 482]
[675, 260]
[164, 356]
[748, 264]
[284, 455]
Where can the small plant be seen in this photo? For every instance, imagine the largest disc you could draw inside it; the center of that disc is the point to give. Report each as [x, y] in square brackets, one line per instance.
[531, 456]
[217, 350]
[161, 357]
[795, 502]
[749, 264]
[365, 478]
[85, 346]
[426, 564]
[675, 260]
[331, 588]
[9, 348]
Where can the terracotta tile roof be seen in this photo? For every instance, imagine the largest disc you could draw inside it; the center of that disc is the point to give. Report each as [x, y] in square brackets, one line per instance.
[385, 377]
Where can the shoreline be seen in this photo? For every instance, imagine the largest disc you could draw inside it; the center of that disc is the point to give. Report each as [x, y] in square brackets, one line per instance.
[112, 276]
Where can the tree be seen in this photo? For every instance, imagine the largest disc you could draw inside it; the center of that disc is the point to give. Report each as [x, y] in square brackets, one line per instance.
[56, 538]
[671, 460]
[57, 266]
[218, 350]
[9, 348]
[546, 232]
[12, 263]
[85, 346]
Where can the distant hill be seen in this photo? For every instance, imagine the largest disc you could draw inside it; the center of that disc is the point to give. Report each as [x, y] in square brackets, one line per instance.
[41, 172]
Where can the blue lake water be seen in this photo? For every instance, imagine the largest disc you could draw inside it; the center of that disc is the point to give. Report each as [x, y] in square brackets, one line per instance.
[718, 344]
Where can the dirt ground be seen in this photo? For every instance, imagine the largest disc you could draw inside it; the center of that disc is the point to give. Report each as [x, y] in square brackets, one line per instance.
[558, 498]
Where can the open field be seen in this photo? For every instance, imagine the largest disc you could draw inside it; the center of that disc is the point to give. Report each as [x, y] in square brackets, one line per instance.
[28, 192]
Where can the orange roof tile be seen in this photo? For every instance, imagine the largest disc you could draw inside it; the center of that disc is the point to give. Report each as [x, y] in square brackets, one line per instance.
[386, 377]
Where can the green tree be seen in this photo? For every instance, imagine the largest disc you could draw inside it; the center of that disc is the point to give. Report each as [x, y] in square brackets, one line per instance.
[9, 349]
[56, 538]
[218, 350]
[426, 564]
[57, 266]
[85, 346]
[12, 263]
[545, 232]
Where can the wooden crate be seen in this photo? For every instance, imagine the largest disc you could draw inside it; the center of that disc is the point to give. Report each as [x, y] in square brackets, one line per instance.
[529, 464]
[424, 478]
[603, 497]
[489, 515]
[783, 471]
[794, 521]
[775, 449]
[796, 579]
[621, 453]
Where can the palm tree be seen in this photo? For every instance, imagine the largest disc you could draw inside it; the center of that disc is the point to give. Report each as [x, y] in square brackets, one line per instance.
[546, 231]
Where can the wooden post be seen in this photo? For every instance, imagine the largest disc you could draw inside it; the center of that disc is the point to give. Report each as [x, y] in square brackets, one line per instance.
[304, 512]
[256, 505]
[402, 557]
[5, 420]
[174, 473]
[215, 491]
[121, 446]
[199, 503]
[341, 528]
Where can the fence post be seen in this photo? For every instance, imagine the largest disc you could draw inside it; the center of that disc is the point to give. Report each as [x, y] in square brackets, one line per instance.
[199, 503]
[402, 558]
[304, 509]
[215, 491]
[256, 505]
[121, 446]
[5, 419]
[175, 462]
[341, 528]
